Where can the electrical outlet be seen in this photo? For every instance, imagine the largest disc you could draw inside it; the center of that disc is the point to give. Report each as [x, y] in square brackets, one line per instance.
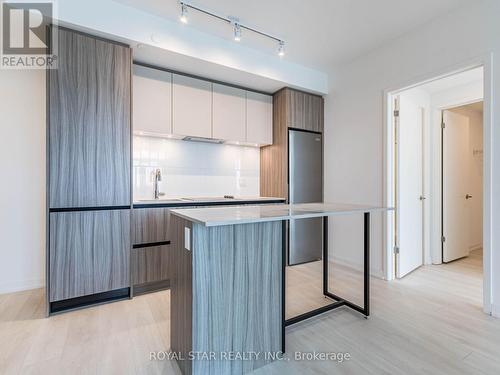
[187, 238]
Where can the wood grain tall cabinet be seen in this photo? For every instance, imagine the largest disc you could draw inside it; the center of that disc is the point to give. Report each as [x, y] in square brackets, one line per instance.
[88, 174]
[291, 109]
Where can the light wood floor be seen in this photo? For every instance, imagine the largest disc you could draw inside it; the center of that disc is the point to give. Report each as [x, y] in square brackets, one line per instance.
[304, 286]
[430, 322]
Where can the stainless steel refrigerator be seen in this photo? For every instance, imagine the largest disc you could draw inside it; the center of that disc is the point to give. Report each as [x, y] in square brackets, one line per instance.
[305, 170]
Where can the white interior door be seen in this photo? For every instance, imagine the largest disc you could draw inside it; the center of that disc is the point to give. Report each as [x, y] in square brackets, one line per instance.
[409, 185]
[456, 174]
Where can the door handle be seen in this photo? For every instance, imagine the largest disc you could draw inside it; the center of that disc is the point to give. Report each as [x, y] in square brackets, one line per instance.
[468, 196]
[422, 198]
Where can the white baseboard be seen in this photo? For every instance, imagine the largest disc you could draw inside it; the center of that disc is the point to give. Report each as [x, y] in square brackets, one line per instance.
[21, 285]
[378, 273]
[495, 311]
[476, 247]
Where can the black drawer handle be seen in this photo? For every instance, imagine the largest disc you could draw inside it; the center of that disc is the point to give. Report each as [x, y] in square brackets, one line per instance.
[150, 244]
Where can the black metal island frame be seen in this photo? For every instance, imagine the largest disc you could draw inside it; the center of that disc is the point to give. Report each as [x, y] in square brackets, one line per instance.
[339, 302]
[228, 283]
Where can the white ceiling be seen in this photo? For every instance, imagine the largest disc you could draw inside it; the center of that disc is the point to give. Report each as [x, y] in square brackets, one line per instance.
[318, 33]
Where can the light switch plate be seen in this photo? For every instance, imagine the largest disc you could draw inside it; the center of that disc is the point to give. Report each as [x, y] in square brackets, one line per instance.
[187, 238]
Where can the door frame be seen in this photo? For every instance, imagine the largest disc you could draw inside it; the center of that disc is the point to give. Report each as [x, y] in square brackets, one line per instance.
[485, 61]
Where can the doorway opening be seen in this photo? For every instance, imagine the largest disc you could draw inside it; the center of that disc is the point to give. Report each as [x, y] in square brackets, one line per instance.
[434, 154]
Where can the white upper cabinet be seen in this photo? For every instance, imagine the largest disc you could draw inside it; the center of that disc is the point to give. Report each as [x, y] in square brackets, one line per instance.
[259, 118]
[229, 113]
[152, 101]
[192, 107]
[169, 104]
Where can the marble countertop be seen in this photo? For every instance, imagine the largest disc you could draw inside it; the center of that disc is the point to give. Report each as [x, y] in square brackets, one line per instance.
[217, 216]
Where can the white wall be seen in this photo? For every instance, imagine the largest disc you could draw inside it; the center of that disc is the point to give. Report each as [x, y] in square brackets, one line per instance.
[354, 110]
[193, 169]
[22, 188]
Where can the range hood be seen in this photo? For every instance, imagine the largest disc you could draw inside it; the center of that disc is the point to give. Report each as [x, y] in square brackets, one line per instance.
[202, 139]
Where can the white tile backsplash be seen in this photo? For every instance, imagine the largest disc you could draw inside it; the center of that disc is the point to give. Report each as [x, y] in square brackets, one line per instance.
[193, 169]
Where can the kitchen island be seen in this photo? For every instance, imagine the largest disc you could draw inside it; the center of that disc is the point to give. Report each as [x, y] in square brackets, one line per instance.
[227, 291]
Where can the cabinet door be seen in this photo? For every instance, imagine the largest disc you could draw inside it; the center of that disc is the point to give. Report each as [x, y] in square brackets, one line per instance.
[192, 107]
[259, 118]
[295, 109]
[89, 123]
[304, 111]
[150, 264]
[152, 101]
[89, 253]
[229, 113]
[313, 113]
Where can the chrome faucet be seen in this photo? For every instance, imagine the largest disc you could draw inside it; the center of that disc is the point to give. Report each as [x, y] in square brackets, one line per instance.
[157, 179]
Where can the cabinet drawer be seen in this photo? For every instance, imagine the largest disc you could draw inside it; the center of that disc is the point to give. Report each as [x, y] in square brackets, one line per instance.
[89, 253]
[150, 225]
[150, 264]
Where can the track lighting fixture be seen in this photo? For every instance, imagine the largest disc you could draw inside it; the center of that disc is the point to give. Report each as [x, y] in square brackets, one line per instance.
[233, 21]
[184, 13]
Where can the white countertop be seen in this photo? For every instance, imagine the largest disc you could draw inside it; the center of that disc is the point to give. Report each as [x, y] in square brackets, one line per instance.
[203, 200]
[217, 216]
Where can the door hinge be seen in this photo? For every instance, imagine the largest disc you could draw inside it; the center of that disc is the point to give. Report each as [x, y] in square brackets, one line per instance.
[443, 239]
[396, 250]
[443, 125]
[396, 113]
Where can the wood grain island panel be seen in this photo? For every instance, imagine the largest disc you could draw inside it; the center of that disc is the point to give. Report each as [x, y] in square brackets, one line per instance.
[226, 294]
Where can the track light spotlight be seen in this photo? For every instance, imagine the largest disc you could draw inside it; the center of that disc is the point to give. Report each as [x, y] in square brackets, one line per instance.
[184, 13]
[237, 32]
[281, 49]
